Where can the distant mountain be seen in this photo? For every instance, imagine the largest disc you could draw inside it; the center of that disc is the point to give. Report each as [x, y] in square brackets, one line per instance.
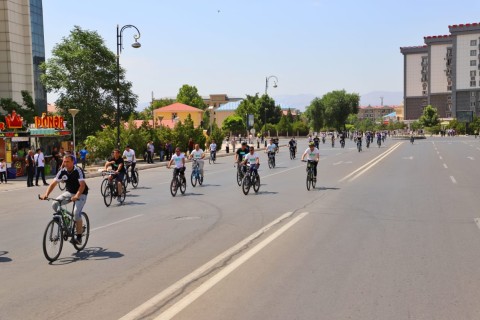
[390, 98]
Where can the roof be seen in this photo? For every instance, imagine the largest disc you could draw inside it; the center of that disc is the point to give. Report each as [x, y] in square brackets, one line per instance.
[377, 107]
[438, 37]
[229, 106]
[464, 25]
[165, 123]
[176, 107]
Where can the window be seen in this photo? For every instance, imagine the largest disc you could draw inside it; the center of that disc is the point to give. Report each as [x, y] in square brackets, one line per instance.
[472, 94]
[473, 53]
[473, 83]
[473, 73]
[449, 88]
[473, 42]
[174, 115]
[473, 63]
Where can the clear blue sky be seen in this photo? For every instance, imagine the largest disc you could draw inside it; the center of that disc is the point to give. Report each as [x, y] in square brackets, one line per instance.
[312, 46]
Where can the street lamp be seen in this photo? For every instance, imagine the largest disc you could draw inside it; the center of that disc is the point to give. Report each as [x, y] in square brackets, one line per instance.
[74, 112]
[267, 79]
[210, 108]
[136, 45]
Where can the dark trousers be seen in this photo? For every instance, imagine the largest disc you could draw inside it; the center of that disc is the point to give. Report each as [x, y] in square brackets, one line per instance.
[40, 171]
[30, 174]
[149, 157]
[3, 175]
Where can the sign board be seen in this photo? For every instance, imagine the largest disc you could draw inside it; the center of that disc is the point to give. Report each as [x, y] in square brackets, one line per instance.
[252, 131]
[250, 120]
[465, 116]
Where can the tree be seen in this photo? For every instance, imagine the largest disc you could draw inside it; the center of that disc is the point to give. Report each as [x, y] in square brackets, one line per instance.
[83, 72]
[315, 114]
[216, 135]
[267, 111]
[248, 106]
[147, 113]
[284, 126]
[26, 110]
[189, 95]
[233, 124]
[429, 117]
[338, 106]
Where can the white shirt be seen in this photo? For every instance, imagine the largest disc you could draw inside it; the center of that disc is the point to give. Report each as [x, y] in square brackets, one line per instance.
[130, 155]
[312, 155]
[213, 147]
[271, 147]
[3, 167]
[178, 160]
[197, 154]
[39, 159]
[251, 158]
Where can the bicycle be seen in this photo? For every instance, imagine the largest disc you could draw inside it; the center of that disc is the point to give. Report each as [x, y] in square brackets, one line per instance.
[240, 173]
[250, 180]
[342, 143]
[292, 153]
[196, 176]
[178, 181]
[310, 174]
[359, 146]
[379, 142]
[109, 188]
[131, 176]
[60, 228]
[213, 157]
[271, 160]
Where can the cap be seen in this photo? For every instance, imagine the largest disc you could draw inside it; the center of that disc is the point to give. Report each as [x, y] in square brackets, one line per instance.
[311, 144]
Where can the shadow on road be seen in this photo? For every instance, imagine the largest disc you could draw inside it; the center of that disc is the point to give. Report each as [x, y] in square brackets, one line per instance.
[132, 203]
[326, 188]
[132, 195]
[143, 188]
[4, 259]
[192, 194]
[210, 185]
[266, 192]
[92, 253]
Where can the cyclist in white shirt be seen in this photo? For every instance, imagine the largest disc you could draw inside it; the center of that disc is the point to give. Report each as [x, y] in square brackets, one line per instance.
[129, 155]
[179, 159]
[252, 160]
[313, 156]
[213, 149]
[198, 155]
[271, 149]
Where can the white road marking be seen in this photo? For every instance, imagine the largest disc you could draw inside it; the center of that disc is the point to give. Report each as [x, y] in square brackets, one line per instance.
[440, 157]
[471, 158]
[438, 152]
[408, 158]
[207, 285]
[337, 163]
[445, 166]
[179, 285]
[117, 222]
[370, 164]
[477, 221]
[453, 179]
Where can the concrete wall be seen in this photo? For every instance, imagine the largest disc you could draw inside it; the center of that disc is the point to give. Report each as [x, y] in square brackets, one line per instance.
[414, 74]
[463, 58]
[438, 78]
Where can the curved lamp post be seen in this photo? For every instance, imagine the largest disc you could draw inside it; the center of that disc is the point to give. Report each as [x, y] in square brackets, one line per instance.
[74, 112]
[136, 45]
[267, 79]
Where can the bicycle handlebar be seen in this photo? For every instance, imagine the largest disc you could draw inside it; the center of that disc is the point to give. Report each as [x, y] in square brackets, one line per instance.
[53, 199]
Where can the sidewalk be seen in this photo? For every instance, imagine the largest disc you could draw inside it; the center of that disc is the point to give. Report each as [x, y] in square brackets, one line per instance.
[93, 171]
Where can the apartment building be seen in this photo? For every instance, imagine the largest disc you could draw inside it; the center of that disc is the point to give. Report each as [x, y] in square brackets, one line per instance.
[374, 113]
[444, 73]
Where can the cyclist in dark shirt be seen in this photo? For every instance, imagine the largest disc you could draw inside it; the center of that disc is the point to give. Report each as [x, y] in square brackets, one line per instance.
[76, 191]
[118, 166]
[240, 154]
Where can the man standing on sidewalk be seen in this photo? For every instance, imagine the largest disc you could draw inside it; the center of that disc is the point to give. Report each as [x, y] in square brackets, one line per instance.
[150, 151]
[83, 157]
[40, 164]
[30, 166]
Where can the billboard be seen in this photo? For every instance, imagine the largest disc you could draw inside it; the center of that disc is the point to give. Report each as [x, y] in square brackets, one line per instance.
[464, 116]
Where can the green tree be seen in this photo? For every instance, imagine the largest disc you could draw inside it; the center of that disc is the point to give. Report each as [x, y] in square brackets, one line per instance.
[284, 126]
[26, 110]
[267, 111]
[315, 114]
[233, 124]
[429, 117]
[217, 135]
[300, 128]
[147, 113]
[248, 106]
[338, 106]
[189, 95]
[83, 72]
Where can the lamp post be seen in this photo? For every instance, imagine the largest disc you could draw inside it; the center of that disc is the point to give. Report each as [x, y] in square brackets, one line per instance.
[136, 45]
[74, 112]
[210, 108]
[267, 79]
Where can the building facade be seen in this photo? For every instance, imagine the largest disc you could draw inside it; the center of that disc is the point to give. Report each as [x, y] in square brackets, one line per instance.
[22, 50]
[374, 113]
[444, 73]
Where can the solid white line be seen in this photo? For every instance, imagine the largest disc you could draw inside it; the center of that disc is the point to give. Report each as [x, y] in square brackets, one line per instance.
[371, 161]
[114, 223]
[198, 292]
[137, 312]
[337, 163]
[477, 221]
[445, 166]
[453, 179]
[441, 158]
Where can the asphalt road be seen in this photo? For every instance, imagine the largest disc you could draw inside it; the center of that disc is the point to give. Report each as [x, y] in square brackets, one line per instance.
[389, 233]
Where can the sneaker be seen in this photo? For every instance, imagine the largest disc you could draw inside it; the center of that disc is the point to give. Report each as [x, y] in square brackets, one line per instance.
[119, 200]
[77, 240]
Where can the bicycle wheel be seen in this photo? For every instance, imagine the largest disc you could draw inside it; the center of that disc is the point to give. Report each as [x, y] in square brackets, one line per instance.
[124, 193]
[85, 233]
[309, 180]
[246, 185]
[62, 186]
[313, 181]
[183, 185]
[108, 195]
[270, 163]
[193, 179]
[52, 240]
[200, 180]
[135, 178]
[173, 187]
[239, 177]
[256, 184]
[210, 159]
[104, 186]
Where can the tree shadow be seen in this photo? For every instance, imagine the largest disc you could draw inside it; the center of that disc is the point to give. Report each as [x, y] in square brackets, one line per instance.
[266, 192]
[192, 194]
[4, 259]
[92, 253]
[143, 188]
[132, 203]
[210, 185]
[325, 188]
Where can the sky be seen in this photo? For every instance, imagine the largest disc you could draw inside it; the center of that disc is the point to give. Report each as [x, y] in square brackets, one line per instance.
[231, 46]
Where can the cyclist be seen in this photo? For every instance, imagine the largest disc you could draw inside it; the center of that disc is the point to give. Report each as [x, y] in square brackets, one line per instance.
[379, 138]
[129, 155]
[293, 146]
[198, 155]
[76, 191]
[240, 155]
[213, 149]
[253, 160]
[118, 165]
[179, 159]
[313, 156]
[342, 139]
[271, 149]
[333, 139]
[316, 140]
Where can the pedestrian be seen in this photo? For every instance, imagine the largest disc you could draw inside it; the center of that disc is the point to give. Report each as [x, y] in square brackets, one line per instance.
[3, 170]
[53, 165]
[30, 166]
[83, 157]
[40, 165]
[150, 150]
[190, 145]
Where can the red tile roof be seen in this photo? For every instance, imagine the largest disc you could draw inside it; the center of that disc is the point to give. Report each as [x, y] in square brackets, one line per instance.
[177, 106]
[166, 123]
[438, 37]
[464, 25]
